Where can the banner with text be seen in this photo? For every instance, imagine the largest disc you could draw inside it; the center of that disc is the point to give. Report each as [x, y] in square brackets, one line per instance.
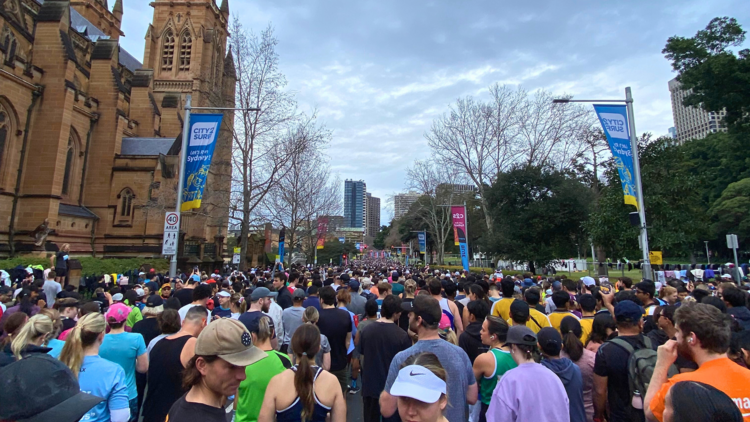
[282, 235]
[422, 237]
[459, 232]
[322, 230]
[204, 129]
[614, 120]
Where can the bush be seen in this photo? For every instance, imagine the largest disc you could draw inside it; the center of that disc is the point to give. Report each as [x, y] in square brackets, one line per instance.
[91, 265]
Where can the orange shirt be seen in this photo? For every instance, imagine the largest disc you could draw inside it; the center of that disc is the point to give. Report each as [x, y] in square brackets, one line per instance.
[722, 374]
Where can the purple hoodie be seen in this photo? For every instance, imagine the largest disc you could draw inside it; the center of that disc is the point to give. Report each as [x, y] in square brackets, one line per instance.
[518, 394]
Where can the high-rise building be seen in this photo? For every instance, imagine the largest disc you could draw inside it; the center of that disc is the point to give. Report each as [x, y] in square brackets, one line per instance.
[402, 202]
[373, 215]
[692, 122]
[672, 132]
[355, 198]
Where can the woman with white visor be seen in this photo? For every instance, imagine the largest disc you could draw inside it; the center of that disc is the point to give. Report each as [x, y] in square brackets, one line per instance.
[420, 389]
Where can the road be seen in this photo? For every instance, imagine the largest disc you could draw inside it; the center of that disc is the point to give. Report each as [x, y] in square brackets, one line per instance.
[354, 407]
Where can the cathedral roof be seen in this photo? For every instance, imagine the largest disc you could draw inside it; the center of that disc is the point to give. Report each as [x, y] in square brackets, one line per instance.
[146, 146]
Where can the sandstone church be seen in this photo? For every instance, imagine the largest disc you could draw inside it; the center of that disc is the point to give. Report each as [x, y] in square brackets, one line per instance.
[90, 136]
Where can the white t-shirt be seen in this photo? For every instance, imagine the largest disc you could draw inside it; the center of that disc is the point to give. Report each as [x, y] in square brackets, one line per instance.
[184, 310]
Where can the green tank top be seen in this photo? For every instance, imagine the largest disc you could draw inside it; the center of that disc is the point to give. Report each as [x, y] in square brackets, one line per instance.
[503, 363]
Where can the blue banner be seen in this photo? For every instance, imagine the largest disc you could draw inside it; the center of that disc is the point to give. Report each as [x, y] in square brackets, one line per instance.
[204, 129]
[282, 238]
[614, 120]
[422, 236]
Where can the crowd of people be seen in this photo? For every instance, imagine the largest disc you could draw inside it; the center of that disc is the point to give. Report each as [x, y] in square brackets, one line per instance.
[418, 344]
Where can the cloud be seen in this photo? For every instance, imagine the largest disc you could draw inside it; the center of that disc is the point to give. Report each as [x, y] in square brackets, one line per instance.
[379, 72]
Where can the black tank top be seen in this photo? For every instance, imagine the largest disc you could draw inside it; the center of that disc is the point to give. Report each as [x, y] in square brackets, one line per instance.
[164, 378]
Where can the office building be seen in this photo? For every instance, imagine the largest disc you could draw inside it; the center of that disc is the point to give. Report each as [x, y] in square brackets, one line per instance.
[672, 132]
[692, 122]
[355, 198]
[402, 202]
[373, 215]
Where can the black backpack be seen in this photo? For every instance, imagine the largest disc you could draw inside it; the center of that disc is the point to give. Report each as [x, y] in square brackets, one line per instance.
[641, 365]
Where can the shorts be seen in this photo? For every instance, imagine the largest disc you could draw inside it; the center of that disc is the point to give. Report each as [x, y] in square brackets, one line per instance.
[61, 272]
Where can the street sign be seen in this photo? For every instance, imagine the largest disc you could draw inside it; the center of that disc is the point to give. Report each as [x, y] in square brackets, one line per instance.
[236, 258]
[171, 233]
[656, 258]
[732, 241]
[342, 239]
[237, 250]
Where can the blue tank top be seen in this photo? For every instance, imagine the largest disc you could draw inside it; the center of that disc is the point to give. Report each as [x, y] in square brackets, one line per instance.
[293, 413]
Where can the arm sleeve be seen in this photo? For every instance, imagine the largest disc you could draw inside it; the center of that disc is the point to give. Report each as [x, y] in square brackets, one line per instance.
[325, 345]
[657, 403]
[118, 396]
[392, 373]
[498, 411]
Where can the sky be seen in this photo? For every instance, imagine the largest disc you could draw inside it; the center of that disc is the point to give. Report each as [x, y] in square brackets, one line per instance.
[379, 72]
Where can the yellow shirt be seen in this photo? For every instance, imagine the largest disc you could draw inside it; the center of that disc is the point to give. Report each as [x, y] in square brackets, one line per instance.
[587, 324]
[541, 321]
[501, 308]
[555, 318]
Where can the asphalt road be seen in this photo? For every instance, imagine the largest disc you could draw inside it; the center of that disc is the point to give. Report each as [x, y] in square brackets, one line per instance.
[354, 407]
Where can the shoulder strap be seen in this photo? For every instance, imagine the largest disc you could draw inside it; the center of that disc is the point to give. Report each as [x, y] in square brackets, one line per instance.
[647, 342]
[535, 322]
[622, 343]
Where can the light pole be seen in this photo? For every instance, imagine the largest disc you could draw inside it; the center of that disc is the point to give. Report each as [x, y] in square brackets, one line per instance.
[636, 168]
[708, 257]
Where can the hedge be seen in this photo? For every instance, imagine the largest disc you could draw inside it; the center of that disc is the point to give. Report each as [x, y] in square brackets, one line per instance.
[93, 265]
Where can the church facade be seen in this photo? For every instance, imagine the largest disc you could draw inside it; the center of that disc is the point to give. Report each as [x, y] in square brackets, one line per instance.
[90, 136]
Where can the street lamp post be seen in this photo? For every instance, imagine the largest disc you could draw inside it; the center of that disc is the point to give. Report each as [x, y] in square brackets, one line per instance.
[708, 257]
[646, 268]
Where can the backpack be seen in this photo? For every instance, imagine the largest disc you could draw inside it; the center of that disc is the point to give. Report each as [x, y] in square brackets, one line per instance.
[641, 365]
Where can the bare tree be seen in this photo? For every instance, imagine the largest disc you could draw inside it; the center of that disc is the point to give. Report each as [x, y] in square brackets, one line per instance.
[589, 160]
[433, 207]
[463, 140]
[306, 190]
[264, 141]
[550, 133]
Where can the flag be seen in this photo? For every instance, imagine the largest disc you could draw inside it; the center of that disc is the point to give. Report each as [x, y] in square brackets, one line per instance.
[614, 120]
[204, 129]
[322, 229]
[282, 235]
[422, 236]
[459, 230]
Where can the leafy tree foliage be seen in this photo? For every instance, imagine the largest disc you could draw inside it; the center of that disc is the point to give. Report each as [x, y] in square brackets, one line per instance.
[717, 76]
[333, 249]
[538, 214]
[729, 214]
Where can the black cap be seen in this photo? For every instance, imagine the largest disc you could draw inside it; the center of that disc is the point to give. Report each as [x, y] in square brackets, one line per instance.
[550, 341]
[40, 388]
[647, 287]
[153, 301]
[426, 307]
[519, 310]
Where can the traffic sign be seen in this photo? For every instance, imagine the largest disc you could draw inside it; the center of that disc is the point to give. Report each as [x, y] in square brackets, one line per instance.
[171, 233]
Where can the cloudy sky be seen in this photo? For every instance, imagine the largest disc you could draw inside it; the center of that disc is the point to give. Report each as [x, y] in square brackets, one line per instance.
[380, 71]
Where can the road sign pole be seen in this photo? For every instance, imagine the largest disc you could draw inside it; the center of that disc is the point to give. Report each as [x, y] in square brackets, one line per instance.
[183, 157]
[646, 268]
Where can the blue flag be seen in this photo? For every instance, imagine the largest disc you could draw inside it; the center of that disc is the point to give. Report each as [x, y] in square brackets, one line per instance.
[422, 236]
[614, 120]
[204, 129]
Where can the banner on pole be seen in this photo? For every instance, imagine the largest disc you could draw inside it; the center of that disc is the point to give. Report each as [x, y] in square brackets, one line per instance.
[204, 129]
[282, 235]
[459, 230]
[614, 120]
[422, 236]
[322, 230]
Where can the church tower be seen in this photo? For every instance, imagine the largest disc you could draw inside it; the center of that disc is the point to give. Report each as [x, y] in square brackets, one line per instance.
[186, 49]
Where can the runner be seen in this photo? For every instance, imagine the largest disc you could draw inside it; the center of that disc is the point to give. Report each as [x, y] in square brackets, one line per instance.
[550, 343]
[201, 294]
[292, 317]
[420, 388]
[323, 357]
[258, 375]
[222, 352]
[489, 367]
[29, 340]
[573, 348]
[336, 325]
[96, 375]
[516, 397]
[378, 345]
[169, 358]
[424, 318]
[125, 349]
[315, 390]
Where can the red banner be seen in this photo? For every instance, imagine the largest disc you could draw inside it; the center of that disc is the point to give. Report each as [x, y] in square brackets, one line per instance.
[322, 230]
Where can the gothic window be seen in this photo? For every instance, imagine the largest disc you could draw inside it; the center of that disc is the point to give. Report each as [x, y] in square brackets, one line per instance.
[69, 157]
[9, 45]
[4, 133]
[186, 46]
[126, 203]
[167, 55]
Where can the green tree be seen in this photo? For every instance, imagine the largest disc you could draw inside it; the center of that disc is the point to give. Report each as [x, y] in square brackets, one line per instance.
[729, 214]
[333, 249]
[717, 76]
[379, 242]
[538, 214]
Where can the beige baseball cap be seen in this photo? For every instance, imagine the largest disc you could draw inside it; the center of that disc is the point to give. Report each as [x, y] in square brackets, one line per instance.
[228, 339]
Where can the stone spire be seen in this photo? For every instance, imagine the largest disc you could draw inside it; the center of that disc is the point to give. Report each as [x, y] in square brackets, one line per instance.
[224, 7]
[117, 10]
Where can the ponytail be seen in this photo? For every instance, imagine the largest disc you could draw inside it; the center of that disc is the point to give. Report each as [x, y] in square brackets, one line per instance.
[37, 326]
[571, 330]
[84, 334]
[305, 345]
